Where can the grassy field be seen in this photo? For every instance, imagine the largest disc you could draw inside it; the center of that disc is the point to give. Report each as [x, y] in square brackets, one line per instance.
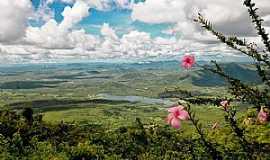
[111, 115]
[66, 92]
[79, 121]
[69, 92]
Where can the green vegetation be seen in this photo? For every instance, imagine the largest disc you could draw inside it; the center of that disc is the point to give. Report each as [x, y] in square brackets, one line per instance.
[61, 112]
[77, 123]
[31, 137]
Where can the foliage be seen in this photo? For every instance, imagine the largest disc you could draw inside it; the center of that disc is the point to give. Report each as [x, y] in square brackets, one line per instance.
[261, 59]
[41, 140]
[25, 135]
[242, 91]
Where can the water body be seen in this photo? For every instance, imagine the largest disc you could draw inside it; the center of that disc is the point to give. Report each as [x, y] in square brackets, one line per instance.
[137, 99]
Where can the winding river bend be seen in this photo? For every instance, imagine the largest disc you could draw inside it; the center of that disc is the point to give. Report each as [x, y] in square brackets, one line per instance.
[140, 99]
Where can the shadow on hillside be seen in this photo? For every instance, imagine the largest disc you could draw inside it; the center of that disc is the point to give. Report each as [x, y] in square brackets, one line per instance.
[55, 104]
[244, 73]
[29, 84]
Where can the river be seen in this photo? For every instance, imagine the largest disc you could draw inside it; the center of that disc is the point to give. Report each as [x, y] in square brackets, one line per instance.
[140, 99]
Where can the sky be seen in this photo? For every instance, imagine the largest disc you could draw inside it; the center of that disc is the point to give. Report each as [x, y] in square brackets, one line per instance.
[40, 31]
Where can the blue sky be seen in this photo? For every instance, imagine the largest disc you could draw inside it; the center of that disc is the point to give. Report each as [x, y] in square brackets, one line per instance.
[117, 18]
[121, 30]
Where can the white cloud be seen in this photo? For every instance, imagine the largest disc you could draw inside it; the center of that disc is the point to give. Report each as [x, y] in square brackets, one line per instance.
[13, 18]
[62, 36]
[123, 3]
[43, 13]
[98, 4]
[108, 32]
[74, 15]
[63, 41]
[159, 11]
[228, 16]
[136, 44]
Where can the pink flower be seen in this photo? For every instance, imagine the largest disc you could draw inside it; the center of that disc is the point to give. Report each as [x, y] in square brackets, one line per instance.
[225, 104]
[176, 114]
[188, 61]
[263, 116]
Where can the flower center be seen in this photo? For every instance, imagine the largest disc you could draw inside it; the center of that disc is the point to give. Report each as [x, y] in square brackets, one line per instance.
[188, 60]
[176, 114]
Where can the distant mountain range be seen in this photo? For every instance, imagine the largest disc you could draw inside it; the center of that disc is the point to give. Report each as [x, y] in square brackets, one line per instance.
[245, 72]
[167, 72]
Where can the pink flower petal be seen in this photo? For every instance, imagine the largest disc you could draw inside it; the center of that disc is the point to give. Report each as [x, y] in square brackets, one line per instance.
[175, 123]
[224, 103]
[188, 61]
[169, 118]
[187, 65]
[176, 114]
[183, 115]
[263, 116]
[175, 109]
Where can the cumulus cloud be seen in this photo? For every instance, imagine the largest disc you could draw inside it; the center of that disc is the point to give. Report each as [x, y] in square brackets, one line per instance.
[98, 4]
[43, 13]
[159, 11]
[135, 45]
[227, 16]
[62, 36]
[56, 41]
[108, 32]
[74, 15]
[123, 3]
[14, 15]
